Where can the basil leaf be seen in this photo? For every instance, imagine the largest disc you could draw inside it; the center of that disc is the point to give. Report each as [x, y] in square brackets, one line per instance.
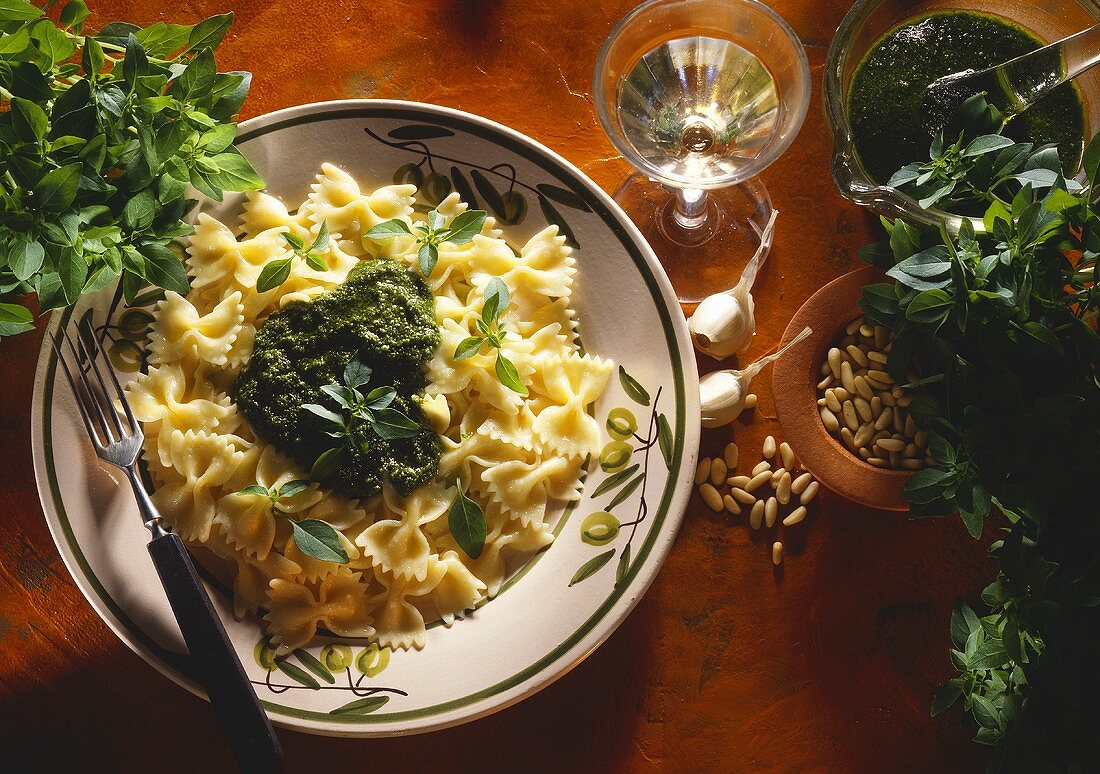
[326, 414]
[15, 319]
[291, 488]
[468, 348]
[380, 397]
[465, 226]
[273, 274]
[318, 539]
[327, 463]
[390, 424]
[25, 258]
[508, 375]
[255, 489]
[388, 229]
[467, 524]
[209, 32]
[428, 256]
[18, 10]
[57, 188]
[163, 268]
[235, 173]
[322, 240]
[496, 301]
[356, 374]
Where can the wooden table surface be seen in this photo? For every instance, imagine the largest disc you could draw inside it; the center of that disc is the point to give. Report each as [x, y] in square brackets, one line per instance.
[725, 665]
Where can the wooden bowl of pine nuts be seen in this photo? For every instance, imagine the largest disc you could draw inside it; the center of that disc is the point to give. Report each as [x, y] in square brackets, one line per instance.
[839, 408]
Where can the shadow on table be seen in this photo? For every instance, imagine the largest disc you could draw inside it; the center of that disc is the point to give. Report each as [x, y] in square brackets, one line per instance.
[115, 713]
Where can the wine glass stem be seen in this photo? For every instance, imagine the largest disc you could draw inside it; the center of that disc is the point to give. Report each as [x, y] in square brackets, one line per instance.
[691, 207]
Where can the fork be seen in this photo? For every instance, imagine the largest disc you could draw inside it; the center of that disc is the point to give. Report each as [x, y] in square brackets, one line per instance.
[244, 722]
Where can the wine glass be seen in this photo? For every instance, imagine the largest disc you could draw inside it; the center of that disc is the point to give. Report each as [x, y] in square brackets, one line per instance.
[700, 96]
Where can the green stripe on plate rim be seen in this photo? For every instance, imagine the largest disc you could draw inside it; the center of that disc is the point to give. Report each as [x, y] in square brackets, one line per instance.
[179, 664]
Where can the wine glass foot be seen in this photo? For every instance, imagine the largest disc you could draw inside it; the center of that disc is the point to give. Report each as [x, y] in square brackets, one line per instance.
[702, 255]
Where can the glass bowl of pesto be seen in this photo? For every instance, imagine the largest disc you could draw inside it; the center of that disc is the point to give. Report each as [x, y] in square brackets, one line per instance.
[885, 51]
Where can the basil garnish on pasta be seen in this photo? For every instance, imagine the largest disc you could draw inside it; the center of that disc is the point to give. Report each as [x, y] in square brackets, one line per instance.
[493, 334]
[429, 236]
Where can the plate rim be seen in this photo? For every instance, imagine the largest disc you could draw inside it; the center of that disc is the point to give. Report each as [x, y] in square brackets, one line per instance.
[574, 648]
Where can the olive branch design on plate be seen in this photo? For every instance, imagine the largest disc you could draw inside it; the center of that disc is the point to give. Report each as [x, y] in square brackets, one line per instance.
[309, 672]
[603, 527]
[509, 206]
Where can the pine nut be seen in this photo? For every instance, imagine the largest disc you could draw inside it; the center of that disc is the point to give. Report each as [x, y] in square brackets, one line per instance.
[702, 472]
[731, 505]
[895, 459]
[824, 370]
[741, 496]
[863, 388]
[864, 434]
[848, 438]
[841, 394]
[912, 451]
[729, 456]
[834, 362]
[863, 408]
[887, 399]
[787, 454]
[783, 490]
[875, 357]
[910, 426]
[864, 453]
[876, 407]
[711, 497]
[866, 330]
[795, 516]
[777, 553]
[739, 481]
[758, 480]
[717, 471]
[910, 464]
[850, 418]
[846, 377]
[799, 484]
[761, 467]
[776, 475]
[890, 444]
[881, 376]
[858, 355]
[750, 400]
[756, 515]
[828, 419]
[811, 492]
[831, 400]
[769, 447]
[884, 419]
[921, 439]
[899, 419]
[853, 326]
[882, 336]
[771, 511]
[878, 462]
[826, 382]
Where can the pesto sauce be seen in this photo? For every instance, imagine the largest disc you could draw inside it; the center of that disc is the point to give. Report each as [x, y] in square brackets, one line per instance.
[384, 315]
[884, 108]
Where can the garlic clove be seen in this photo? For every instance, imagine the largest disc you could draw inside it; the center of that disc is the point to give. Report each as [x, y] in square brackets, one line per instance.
[720, 327]
[721, 398]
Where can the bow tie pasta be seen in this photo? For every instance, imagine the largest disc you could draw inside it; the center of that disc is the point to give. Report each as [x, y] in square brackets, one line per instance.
[518, 456]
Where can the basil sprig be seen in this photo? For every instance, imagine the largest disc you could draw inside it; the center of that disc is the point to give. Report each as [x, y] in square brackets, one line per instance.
[102, 135]
[277, 270]
[492, 335]
[313, 537]
[467, 524]
[430, 235]
[361, 417]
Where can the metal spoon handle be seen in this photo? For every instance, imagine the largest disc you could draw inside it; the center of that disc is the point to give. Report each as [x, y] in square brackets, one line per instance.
[1027, 78]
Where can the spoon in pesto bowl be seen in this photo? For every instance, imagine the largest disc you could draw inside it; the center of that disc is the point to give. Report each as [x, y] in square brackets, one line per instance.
[1021, 81]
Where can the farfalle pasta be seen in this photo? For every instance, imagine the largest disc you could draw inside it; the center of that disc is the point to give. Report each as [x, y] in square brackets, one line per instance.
[515, 455]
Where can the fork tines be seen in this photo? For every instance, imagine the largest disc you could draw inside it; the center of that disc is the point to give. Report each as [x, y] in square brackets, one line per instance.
[94, 397]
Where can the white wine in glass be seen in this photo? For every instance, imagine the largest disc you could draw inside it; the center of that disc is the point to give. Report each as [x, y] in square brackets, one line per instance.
[700, 96]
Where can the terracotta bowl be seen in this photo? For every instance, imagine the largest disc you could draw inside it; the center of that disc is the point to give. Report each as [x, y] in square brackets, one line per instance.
[795, 379]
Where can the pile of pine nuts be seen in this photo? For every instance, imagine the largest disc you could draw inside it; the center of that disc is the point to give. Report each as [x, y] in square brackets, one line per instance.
[790, 487]
[860, 404]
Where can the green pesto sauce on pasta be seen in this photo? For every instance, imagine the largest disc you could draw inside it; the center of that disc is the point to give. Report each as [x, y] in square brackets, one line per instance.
[384, 315]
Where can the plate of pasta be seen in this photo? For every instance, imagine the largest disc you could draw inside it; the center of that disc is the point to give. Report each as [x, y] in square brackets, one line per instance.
[427, 419]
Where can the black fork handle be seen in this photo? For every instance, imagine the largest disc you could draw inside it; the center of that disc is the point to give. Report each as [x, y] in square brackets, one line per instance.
[243, 720]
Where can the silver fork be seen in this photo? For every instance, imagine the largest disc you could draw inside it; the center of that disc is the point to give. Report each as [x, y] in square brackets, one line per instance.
[243, 720]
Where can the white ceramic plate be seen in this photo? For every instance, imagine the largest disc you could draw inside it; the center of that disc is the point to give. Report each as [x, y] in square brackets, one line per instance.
[566, 600]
